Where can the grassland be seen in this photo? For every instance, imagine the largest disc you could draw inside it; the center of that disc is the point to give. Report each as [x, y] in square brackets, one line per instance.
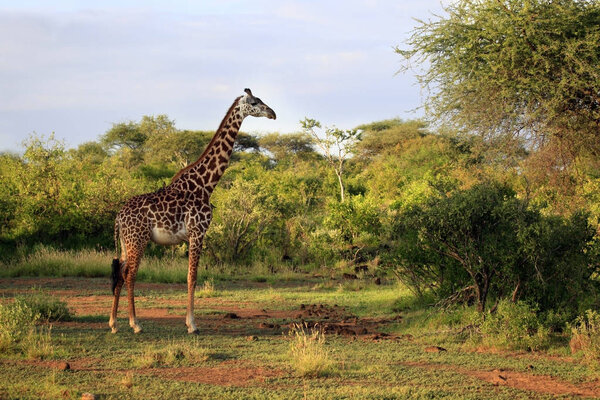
[374, 345]
[373, 341]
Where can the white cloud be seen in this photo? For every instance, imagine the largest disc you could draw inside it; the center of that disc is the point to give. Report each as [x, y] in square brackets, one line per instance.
[75, 71]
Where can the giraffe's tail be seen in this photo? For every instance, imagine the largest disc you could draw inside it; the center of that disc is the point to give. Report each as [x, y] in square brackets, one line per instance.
[115, 276]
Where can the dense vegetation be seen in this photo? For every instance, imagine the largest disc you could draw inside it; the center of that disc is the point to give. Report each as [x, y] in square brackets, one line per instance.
[500, 203]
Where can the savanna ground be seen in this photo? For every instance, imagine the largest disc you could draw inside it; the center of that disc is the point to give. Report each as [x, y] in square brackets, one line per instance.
[372, 346]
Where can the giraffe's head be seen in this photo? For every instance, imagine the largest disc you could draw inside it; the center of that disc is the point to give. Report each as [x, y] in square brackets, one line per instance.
[254, 106]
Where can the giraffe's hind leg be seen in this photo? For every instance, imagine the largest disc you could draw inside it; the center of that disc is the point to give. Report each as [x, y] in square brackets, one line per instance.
[133, 262]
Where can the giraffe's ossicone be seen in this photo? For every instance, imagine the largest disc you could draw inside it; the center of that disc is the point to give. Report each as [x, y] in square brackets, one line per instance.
[178, 212]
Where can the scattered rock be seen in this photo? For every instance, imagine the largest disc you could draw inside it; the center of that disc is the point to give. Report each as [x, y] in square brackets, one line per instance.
[63, 366]
[88, 396]
[530, 367]
[231, 316]
[499, 379]
[252, 338]
[434, 349]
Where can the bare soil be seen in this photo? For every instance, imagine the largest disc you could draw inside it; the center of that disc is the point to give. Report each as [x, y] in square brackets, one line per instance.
[228, 373]
[520, 380]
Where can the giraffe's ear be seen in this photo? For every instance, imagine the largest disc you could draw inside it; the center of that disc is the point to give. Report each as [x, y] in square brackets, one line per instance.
[248, 92]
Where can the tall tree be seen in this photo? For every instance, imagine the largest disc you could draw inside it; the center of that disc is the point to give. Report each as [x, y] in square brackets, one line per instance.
[522, 68]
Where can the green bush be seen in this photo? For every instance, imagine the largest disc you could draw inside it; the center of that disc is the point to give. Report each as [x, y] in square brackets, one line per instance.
[514, 326]
[17, 322]
[488, 238]
[47, 307]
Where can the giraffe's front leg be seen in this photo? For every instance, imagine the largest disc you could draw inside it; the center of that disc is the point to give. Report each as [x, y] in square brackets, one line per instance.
[194, 255]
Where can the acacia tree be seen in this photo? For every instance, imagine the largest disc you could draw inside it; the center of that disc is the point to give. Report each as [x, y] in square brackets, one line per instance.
[336, 145]
[517, 68]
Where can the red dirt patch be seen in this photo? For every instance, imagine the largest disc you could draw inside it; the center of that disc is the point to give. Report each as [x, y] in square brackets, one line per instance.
[222, 375]
[228, 373]
[520, 380]
[537, 383]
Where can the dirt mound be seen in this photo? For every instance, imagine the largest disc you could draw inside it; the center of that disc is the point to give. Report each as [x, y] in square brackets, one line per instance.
[336, 320]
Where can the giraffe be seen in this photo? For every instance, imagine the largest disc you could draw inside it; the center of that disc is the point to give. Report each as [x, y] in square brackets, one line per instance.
[180, 211]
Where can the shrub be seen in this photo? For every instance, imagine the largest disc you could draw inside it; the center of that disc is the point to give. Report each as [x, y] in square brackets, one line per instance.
[48, 307]
[307, 349]
[19, 333]
[17, 322]
[489, 238]
[514, 326]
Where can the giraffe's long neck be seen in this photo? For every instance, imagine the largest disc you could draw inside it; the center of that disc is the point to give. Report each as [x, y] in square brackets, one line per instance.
[204, 174]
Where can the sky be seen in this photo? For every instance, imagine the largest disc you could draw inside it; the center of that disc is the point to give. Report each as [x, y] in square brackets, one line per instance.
[75, 68]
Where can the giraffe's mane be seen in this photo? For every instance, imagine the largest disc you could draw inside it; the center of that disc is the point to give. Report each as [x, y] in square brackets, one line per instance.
[210, 144]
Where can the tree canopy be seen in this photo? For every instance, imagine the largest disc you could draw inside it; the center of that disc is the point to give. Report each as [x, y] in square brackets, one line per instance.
[517, 68]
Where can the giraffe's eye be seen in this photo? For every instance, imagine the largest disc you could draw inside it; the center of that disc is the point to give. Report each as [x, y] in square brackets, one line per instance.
[253, 101]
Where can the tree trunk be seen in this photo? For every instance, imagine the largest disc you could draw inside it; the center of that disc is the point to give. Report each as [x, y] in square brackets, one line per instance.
[481, 290]
[339, 176]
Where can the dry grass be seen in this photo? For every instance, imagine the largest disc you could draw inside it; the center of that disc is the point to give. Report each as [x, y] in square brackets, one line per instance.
[586, 337]
[309, 356]
[176, 353]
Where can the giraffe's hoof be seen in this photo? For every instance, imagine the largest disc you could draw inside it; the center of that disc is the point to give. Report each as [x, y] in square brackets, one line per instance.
[113, 330]
[194, 332]
[137, 329]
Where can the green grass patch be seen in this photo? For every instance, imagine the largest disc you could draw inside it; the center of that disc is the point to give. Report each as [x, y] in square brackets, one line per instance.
[19, 332]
